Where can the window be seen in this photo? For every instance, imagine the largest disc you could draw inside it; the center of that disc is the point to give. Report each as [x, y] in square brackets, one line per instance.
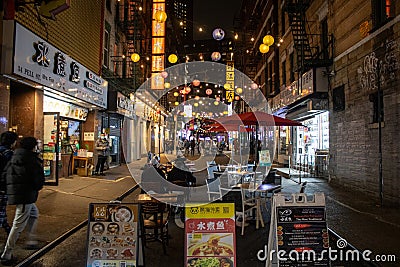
[291, 70]
[108, 5]
[324, 38]
[270, 74]
[284, 72]
[374, 99]
[106, 52]
[382, 10]
[283, 22]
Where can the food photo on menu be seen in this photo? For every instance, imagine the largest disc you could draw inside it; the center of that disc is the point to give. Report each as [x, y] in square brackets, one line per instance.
[211, 245]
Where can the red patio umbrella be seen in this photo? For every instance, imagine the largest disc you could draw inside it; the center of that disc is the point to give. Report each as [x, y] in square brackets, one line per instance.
[257, 118]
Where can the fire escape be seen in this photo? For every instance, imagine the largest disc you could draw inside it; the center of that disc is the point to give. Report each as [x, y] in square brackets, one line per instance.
[313, 50]
[130, 38]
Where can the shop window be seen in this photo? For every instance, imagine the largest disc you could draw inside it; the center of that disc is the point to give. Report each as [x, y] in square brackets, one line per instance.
[375, 115]
[382, 11]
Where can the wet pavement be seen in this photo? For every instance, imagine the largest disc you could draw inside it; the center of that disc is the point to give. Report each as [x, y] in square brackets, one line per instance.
[354, 217]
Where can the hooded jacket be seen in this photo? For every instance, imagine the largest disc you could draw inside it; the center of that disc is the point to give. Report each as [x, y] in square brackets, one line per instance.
[24, 177]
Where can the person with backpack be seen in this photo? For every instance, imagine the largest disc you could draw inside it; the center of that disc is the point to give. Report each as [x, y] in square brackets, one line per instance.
[24, 179]
[7, 144]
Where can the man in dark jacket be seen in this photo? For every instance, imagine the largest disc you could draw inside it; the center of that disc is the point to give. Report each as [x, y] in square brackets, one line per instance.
[7, 143]
[24, 179]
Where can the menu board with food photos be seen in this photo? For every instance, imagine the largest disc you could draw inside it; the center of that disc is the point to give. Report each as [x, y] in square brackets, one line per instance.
[298, 227]
[210, 235]
[112, 235]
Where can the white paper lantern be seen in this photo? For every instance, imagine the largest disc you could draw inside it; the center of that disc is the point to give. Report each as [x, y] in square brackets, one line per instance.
[218, 34]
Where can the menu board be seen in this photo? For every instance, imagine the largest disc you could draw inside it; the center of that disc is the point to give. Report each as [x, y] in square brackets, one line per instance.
[112, 235]
[210, 235]
[265, 159]
[302, 229]
[298, 235]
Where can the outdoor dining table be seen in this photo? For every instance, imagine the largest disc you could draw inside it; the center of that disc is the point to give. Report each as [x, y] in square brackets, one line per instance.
[238, 176]
[262, 188]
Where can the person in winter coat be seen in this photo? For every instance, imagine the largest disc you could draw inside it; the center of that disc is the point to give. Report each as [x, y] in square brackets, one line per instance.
[24, 179]
[7, 143]
[103, 148]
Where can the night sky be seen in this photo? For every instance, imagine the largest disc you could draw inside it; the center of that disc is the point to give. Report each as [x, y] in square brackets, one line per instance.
[211, 14]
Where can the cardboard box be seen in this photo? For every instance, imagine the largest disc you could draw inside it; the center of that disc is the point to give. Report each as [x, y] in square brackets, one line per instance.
[82, 171]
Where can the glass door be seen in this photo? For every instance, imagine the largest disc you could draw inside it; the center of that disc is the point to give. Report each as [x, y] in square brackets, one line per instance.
[51, 147]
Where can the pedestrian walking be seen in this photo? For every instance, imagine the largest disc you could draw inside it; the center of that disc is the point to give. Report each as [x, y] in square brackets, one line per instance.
[102, 148]
[192, 146]
[24, 179]
[7, 144]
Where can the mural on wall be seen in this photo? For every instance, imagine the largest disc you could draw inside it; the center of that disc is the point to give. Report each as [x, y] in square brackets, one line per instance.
[388, 67]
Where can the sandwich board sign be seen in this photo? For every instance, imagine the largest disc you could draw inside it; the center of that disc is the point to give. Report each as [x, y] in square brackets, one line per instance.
[210, 235]
[113, 235]
[298, 234]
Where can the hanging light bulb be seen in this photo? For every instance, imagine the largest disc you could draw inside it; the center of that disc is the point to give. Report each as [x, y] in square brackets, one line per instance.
[239, 90]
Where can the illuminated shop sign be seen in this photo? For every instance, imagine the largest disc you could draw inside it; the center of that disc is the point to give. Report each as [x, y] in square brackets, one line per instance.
[125, 106]
[158, 47]
[42, 63]
[65, 109]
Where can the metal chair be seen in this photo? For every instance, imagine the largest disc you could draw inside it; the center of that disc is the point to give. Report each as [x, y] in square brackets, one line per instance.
[213, 186]
[243, 206]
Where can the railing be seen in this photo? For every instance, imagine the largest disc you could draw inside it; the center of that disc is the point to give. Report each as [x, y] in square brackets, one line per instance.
[310, 165]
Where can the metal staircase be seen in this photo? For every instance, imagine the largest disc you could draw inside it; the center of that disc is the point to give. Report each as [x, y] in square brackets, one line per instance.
[308, 54]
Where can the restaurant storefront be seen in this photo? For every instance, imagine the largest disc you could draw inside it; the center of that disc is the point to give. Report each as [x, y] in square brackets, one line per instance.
[53, 98]
[306, 101]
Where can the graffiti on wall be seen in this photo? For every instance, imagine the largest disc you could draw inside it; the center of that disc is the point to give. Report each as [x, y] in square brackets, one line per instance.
[387, 66]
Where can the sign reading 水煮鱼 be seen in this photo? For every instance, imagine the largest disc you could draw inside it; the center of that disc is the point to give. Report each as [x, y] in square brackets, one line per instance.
[112, 234]
[38, 61]
[210, 234]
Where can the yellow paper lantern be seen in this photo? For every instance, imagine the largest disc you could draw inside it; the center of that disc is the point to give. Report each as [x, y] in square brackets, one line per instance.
[172, 58]
[268, 40]
[167, 85]
[176, 103]
[227, 86]
[239, 90]
[196, 104]
[160, 16]
[135, 57]
[216, 103]
[264, 48]
[176, 93]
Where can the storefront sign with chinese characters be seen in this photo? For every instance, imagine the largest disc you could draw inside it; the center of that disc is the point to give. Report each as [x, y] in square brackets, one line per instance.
[125, 106]
[37, 60]
[210, 235]
[65, 109]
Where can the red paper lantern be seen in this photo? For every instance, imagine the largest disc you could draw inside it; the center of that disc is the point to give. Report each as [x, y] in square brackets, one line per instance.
[164, 74]
[196, 82]
[208, 91]
[187, 90]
